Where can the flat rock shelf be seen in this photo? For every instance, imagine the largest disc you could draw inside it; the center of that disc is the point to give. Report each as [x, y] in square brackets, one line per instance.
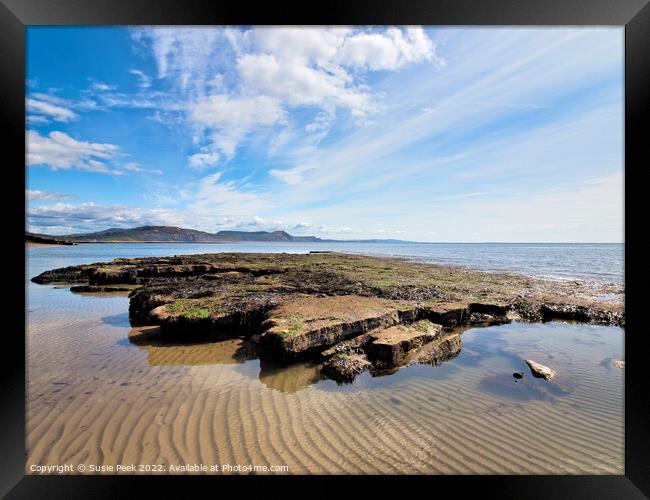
[353, 313]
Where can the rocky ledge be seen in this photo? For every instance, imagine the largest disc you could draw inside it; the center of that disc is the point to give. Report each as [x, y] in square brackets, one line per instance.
[356, 312]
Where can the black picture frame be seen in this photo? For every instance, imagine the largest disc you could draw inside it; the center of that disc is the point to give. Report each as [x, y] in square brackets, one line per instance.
[15, 15]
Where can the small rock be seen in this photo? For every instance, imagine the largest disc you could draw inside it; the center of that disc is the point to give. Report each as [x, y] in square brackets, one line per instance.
[540, 371]
[518, 374]
[344, 367]
[618, 363]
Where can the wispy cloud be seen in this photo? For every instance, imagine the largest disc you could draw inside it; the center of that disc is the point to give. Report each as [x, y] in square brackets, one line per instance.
[143, 79]
[101, 86]
[293, 175]
[136, 167]
[58, 150]
[219, 196]
[434, 133]
[201, 160]
[62, 218]
[276, 69]
[45, 110]
[230, 119]
[36, 195]
[182, 55]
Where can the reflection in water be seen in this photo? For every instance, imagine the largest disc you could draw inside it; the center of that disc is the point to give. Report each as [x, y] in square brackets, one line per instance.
[162, 352]
[117, 320]
[488, 349]
[528, 387]
[287, 378]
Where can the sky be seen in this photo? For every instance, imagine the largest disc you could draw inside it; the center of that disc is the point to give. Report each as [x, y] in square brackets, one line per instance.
[450, 134]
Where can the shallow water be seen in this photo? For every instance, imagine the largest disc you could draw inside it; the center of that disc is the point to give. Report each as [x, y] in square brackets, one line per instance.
[95, 397]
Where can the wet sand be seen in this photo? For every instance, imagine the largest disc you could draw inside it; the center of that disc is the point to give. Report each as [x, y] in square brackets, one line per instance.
[95, 397]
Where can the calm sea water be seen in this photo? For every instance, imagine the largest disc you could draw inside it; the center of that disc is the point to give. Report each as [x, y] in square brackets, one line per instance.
[594, 262]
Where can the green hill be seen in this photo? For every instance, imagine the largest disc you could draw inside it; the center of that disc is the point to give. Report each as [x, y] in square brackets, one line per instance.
[180, 235]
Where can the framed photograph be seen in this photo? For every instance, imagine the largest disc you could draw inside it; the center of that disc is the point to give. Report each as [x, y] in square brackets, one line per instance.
[386, 239]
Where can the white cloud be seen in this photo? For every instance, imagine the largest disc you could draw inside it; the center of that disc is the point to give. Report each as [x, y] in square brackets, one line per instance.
[143, 79]
[514, 71]
[221, 111]
[36, 195]
[83, 104]
[109, 100]
[60, 101]
[240, 79]
[135, 167]
[223, 197]
[322, 122]
[589, 211]
[214, 204]
[102, 87]
[182, 54]
[390, 50]
[37, 120]
[307, 66]
[58, 113]
[232, 118]
[60, 151]
[319, 45]
[280, 141]
[63, 218]
[299, 84]
[293, 175]
[201, 160]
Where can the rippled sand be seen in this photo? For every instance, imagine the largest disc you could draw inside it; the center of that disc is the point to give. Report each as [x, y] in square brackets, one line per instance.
[95, 397]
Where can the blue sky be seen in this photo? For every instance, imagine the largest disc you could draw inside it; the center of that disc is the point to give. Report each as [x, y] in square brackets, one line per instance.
[427, 134]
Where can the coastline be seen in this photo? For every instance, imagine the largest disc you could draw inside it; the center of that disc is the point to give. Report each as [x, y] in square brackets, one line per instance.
[94, 377]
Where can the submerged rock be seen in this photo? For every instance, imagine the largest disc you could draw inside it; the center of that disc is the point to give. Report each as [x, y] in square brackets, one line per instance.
[540, 371]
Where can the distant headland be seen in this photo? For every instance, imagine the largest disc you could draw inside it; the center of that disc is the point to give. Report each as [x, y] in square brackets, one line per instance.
[172, 234]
